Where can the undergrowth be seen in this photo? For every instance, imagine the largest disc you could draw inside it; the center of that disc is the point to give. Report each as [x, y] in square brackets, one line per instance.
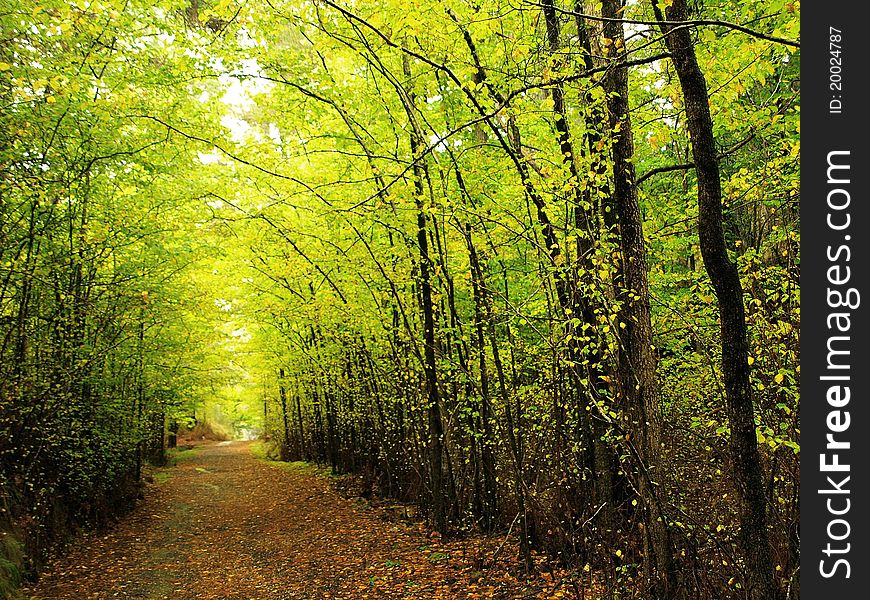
[11, 566]
[176, 455]
[173, 457]
[267, 452]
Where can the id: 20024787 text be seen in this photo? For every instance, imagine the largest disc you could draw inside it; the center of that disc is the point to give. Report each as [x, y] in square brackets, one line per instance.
[835, 70]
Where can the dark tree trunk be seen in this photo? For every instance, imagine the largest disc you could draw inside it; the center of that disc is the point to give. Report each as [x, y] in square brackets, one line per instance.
[303, 450]
[724, 276]
[489, 496]
[172, 438]
[282, 394]
[331, 435]
[430, 368]
[587, 362]
[638, 384]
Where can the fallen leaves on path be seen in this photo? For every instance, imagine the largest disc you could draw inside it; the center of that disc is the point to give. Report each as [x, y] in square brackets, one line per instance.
[224, 525]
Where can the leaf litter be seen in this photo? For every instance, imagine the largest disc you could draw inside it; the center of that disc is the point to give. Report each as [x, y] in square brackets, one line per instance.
[225, 525]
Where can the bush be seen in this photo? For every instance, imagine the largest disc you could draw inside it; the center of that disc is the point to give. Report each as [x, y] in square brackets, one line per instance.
[11, 566]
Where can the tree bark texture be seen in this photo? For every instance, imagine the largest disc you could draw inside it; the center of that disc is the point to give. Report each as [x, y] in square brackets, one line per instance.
[637, 367]
[732, 320]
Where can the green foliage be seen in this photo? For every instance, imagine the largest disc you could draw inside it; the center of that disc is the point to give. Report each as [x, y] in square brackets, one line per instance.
[103, 340]
[437, 557]
[176, 455]
[11, 566]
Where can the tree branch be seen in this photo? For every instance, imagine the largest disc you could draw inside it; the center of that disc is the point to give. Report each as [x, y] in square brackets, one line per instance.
[686, 23]
[691, 165]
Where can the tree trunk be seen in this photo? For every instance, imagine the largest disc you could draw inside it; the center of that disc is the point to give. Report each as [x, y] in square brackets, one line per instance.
[282, 394]
[638, 383]
[488, 463]
[587, 363]
[725, 279]
[433, 409]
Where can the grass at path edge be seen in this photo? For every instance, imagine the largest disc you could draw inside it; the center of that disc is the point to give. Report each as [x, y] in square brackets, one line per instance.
[173, 457]
[262, 450]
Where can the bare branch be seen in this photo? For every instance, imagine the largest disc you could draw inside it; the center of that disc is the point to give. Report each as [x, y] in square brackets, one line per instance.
[686, 23]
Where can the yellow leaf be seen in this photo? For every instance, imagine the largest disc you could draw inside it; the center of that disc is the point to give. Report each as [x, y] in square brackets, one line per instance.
[778, 378]
[5, 66]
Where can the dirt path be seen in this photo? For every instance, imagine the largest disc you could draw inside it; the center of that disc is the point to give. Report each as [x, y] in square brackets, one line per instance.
[227, 525]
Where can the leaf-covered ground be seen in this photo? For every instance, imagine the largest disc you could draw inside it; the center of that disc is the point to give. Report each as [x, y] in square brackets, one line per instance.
[223, 524]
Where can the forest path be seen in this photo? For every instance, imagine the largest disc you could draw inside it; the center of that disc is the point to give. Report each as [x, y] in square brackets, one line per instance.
[223, 524]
